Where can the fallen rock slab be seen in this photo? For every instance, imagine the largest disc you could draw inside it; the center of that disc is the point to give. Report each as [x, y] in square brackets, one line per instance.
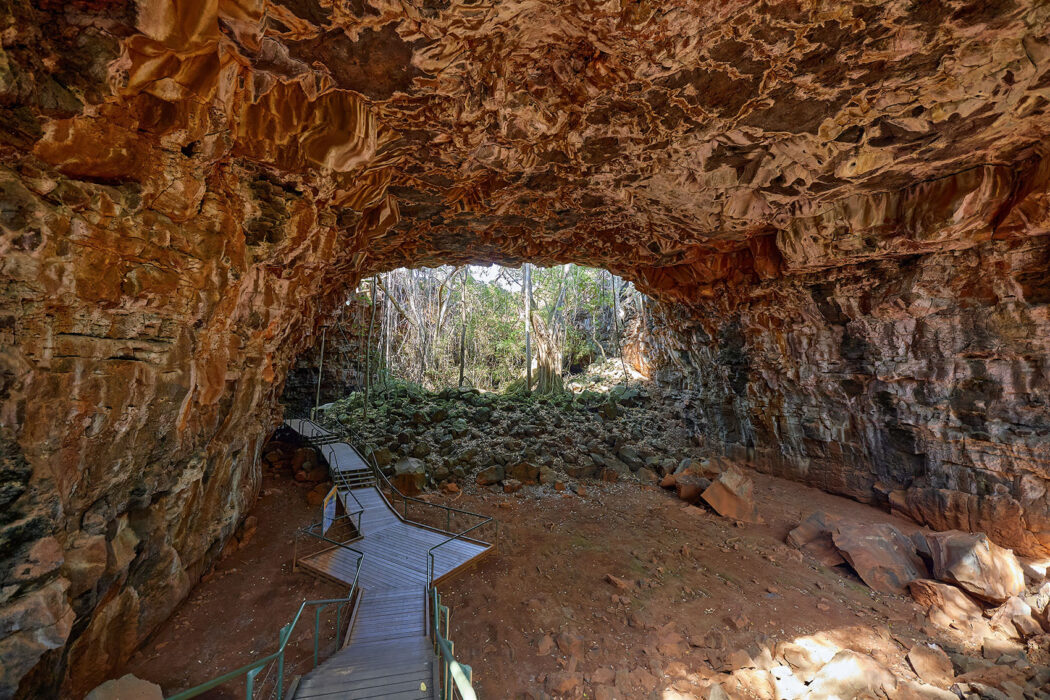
[976, 564]
[948, 599]
[932, 665]
[882, 555]
[1016, 618]
[732, 496]
[813, 536]
[690, 486]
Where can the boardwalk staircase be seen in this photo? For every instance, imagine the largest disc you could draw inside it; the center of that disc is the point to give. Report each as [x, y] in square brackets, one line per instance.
[392, 550]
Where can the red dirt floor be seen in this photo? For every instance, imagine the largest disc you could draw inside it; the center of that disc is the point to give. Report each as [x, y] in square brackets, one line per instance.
[234, 615]
[692, 587]
[698, 587]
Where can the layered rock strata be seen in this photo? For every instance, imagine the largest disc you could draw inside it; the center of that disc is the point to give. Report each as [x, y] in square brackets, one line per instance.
[846, 202]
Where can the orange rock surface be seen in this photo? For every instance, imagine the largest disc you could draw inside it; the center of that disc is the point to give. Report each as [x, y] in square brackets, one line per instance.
[842, 209]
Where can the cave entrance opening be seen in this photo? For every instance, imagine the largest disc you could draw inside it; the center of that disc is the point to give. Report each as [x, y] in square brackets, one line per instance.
[492, 328]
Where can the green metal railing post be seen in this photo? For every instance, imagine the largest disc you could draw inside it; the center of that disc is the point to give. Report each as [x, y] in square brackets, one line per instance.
[249, 682]
[285, 631]
[317, 632]
[338, 623]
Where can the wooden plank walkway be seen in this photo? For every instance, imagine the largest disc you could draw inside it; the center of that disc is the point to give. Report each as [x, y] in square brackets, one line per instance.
[388, 654]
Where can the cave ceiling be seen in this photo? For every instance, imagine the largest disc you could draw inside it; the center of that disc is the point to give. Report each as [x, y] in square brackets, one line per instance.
[680, 143]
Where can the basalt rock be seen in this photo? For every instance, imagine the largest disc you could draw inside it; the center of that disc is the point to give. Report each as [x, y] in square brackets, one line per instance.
[732, 495]
[976, 565]
[841, 216]
[882, 555]
[410, 476]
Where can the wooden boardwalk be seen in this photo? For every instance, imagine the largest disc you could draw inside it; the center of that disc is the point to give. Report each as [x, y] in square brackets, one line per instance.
[388, 653]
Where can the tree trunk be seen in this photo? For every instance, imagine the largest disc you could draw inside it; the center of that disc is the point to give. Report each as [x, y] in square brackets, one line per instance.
[526, 289]
[386, 339]
[463, 327]
[368, 352]
[548, 358]
[616, 324]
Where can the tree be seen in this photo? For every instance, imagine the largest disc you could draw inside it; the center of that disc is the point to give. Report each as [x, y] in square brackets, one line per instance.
[463, 326]
[526, 289]
[368, 352]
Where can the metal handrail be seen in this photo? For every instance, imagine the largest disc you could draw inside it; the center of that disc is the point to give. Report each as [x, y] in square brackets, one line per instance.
[453, 676]
[250, 671]
[371, 462]
[456, 536]
[346, 486]
[311, 530]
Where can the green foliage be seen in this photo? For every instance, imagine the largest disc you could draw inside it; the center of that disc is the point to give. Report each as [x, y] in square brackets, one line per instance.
[427, 325]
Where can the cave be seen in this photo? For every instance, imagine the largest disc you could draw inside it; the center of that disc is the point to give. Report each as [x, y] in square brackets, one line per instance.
[839, 210]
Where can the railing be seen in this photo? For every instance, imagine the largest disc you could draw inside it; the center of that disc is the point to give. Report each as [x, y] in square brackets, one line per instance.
[339, 478]
[342, 531]
[252, 670]
[395, 498]
[454, 678]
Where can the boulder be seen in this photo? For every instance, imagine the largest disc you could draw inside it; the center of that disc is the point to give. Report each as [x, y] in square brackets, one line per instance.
[315, 474]
[489, 476]
[688, 465]
[612, 464]
[629, 456]
[882, 555]
[583, 469]
[315, 496]
[524, 472]
[690, 486]
[511, 485]
[304, 459]
[932, 665]
[1039, 599]
[410, 476]
[948, 599]
[609, 411]
[813, 536]
[383, 456]
[732, 496]
[850, 674]
[127, 687]
[668, 482]
[547, 475]
[1016, 618]
[646, 475]
[976, 564]
[421, 449]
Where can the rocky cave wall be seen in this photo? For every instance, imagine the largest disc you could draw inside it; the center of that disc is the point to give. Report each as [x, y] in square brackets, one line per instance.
[843, 207]
[920, 383]
[343, 366]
